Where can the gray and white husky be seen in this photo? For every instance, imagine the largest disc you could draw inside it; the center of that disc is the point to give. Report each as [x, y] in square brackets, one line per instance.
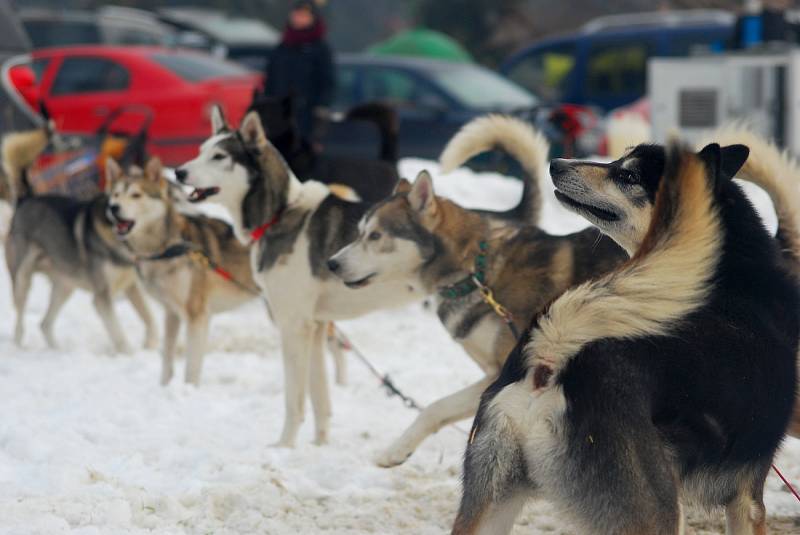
[71, 242]
[294, 228]
[432, 243]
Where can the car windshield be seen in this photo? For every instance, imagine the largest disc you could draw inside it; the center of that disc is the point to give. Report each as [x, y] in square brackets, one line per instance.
[482, 89]
[196, 68]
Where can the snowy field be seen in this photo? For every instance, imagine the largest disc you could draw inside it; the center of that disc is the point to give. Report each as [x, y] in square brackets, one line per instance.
[91, 445]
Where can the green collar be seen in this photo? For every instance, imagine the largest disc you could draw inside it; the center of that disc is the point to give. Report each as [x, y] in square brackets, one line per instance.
[467, 285]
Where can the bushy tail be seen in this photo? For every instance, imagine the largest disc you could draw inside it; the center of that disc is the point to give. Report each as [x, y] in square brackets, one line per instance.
[385, 118]
[19, 151]
[516, 137]
[778, 173]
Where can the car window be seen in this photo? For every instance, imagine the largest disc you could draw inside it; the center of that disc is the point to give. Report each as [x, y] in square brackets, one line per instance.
[617, 69]
[546, 72]
[345, 87]
[45, 33]
[398, 87]
[38, 66]
[88, 75]
[482, 89]
[196, 68]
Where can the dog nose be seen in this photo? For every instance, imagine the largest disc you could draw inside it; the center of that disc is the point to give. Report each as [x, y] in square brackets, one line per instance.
[558, 166]
[333, 265]
[114, 209]
[181, 175]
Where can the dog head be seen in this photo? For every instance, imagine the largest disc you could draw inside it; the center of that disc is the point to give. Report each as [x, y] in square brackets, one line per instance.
[240, 169]
[136, 198]
[395, 238]
[618, 197]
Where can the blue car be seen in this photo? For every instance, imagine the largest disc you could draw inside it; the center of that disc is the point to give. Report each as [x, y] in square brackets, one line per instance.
[605, 63]
[433, 99]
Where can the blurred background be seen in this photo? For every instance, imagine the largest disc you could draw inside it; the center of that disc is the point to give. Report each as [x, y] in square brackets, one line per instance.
[594, 76]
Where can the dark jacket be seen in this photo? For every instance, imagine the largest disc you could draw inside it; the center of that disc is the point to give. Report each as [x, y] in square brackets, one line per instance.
[302, 68]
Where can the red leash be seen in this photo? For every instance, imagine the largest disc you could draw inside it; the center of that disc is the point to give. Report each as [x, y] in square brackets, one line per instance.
[786, 482]
[259, 232]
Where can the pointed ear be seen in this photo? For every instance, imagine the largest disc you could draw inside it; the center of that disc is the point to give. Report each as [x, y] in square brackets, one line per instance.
[252, 131]
[733, 158]
[218, 122]
[711, 156]
[113, 173]
[402, 186]
[421, 196]
[152, 171]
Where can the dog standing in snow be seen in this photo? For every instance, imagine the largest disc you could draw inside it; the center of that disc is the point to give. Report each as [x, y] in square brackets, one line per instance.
[671, 378]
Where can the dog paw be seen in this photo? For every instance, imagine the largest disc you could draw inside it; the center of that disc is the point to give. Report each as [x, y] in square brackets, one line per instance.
[391, 458]
[282, 444]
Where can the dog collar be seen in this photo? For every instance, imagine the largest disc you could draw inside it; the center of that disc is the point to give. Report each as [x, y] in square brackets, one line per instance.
[259, 231]
[467, 285]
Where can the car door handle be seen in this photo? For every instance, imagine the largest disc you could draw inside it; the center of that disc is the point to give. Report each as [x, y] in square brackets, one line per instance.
[101, 111]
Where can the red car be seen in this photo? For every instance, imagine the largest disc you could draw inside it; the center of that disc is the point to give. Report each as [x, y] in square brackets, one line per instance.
[82, 85]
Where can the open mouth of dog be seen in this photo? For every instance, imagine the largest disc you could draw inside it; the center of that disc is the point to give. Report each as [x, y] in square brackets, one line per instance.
[360, 283]
[201, 194]
[122, 226]
[600, 213]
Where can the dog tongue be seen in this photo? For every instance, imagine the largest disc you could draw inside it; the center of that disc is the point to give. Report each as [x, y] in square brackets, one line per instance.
[123, 226]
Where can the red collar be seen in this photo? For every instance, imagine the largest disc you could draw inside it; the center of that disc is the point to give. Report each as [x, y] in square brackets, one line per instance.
[259, 231]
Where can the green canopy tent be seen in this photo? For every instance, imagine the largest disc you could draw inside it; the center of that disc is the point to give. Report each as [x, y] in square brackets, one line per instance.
[422, 43]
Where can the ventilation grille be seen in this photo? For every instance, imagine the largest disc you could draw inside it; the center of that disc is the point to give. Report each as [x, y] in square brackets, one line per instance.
[698, 108]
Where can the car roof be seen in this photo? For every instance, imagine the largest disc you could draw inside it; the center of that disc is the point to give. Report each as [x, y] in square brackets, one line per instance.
[633, 23]
[408, 62]
[111, 50]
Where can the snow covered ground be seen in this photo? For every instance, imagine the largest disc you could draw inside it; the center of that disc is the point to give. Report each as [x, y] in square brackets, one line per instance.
[91, 445]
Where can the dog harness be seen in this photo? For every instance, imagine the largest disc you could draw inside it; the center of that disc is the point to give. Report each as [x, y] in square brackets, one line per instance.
[477, 281]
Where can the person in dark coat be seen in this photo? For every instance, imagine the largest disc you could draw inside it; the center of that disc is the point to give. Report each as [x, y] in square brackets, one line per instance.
[302, 67]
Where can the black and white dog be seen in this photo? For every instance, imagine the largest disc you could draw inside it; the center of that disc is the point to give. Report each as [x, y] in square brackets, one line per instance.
[670, 379]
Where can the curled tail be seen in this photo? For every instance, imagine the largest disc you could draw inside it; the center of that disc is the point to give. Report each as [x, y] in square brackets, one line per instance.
[385, 118]
[19, 151]
[777, 173]
[517, 138]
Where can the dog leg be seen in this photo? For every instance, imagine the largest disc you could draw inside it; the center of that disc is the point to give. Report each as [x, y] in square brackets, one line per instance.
[494, 519]
[447, 410]
[746, 515]
[140, 306]
[296, 343]
[59, 294]
[320, 393]
[196, 338]
[105, 308]
[339, 358]
[172, 325]
[21, 282]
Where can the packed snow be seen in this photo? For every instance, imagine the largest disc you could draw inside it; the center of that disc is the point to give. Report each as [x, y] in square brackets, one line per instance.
[90, 444]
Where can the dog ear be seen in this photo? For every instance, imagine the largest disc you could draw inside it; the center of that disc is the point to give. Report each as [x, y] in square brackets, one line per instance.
[152, 170]
[402, 186]
[421, 196]
[733, 158]
[218, 122]
[252, 131]
[113, 173]
[711, 156]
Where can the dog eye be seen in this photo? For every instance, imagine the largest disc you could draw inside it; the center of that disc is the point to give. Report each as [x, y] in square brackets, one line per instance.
[627, 176]
[374, 236]
[136, 196]
[218, 157]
